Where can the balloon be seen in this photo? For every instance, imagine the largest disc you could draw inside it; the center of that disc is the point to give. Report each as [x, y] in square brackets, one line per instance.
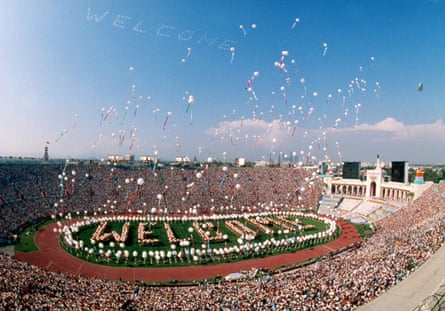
[249, 84]
[283, 89]
[76, 116]
[166, 119]
[325, 48]
[191, 100]
[303, 81]
[281, 63]
[232, 50]
[243, 30]
[295, 127]
[61, 134]
[125, 112]
[297, 20]
[189, 52]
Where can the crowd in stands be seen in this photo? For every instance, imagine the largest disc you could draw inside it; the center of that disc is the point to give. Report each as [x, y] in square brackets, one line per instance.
[401, 242]
[30, 192]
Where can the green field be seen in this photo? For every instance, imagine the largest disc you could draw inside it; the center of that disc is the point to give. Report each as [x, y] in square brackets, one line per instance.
[197, 250]
[25, 240]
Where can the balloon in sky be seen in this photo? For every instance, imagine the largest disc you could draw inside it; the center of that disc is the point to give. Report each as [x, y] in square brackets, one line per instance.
[250, 82]
[125, 113]
[61, 134]
[166, 120]
[303, 81]
[420, 87]
[283, 93]
[190, 102]
[244, 30]
[325, 48]
[232, 50]
[296, 21]
[252, 78]
[189, 52]
[281, 63]
[76, 116]
[295, 127]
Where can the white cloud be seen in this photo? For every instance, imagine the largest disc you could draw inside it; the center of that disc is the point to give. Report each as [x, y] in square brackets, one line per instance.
[257, 139]
[390, 137]
[398, 131]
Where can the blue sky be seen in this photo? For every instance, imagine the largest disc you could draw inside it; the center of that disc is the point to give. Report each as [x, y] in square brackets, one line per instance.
[319, 80]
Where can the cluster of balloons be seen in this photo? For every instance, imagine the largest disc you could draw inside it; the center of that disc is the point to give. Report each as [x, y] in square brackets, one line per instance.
[298, 118]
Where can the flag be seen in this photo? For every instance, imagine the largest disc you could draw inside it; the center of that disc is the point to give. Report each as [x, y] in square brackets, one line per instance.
[132, 195]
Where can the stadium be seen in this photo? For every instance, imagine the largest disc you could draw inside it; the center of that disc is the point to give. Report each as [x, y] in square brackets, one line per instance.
[406, 220]
[220, 155]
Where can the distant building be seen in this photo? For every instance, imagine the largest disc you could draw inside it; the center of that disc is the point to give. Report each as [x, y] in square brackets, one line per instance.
[240, 161]
[45, 154]
[129, 158]
[262, 163]
[114, 158]
[375, 185]
[147, 159]
[182, 160]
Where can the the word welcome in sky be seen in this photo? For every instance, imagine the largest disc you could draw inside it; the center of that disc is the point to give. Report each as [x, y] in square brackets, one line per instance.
[127, 22]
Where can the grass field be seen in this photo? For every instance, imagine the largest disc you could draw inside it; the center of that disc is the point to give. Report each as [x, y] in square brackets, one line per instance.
[25, 240]
[198, 250]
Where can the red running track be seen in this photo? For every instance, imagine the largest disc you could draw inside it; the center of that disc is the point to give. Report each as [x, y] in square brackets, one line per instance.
[52, 257]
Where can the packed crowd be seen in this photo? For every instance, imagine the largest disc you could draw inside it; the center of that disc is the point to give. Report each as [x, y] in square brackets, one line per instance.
[32, 192]
[401, 242]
